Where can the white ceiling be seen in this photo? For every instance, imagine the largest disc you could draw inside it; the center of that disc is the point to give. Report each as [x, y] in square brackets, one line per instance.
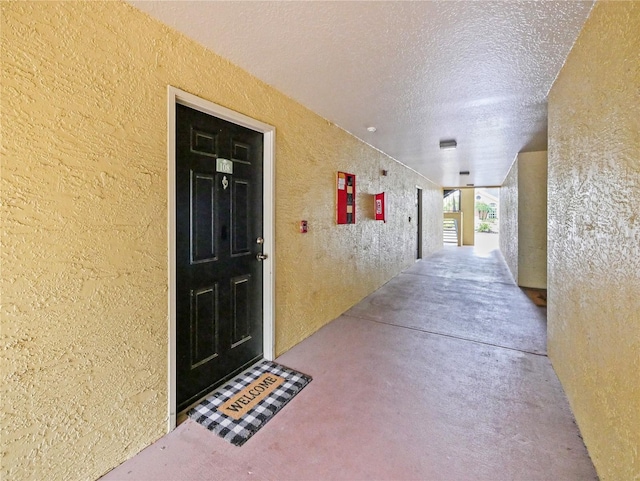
[419, 71]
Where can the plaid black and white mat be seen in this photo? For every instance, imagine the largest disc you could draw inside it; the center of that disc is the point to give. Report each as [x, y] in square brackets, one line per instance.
[238, 432]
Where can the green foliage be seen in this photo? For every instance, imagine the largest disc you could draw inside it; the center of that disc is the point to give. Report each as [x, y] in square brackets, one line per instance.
[482, 207]
[483, 210]
[484, 227]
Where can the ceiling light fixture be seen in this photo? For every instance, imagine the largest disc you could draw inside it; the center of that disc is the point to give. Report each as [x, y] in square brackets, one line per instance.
[448, 144]
[371, 129]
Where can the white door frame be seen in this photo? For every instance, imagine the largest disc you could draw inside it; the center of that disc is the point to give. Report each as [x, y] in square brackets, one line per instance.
[176, 95]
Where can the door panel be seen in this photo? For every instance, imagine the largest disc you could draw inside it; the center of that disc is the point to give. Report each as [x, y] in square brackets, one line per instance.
[218, 278]
[203, 202]
[241, 223]
[241, 287]
[204, 325]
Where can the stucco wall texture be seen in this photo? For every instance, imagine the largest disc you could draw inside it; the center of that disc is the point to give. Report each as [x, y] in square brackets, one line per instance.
[532, 219]
[509, 220]
[84, 237]
[594, 236]
[523, 219]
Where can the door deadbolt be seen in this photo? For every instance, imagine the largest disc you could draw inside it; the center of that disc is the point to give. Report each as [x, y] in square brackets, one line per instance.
[259, 240]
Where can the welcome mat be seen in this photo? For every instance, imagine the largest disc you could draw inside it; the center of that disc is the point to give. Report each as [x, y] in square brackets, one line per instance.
[237, 410]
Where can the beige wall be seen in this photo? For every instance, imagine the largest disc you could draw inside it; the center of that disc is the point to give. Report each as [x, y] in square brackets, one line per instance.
[84, 233]
[594, 236]
[523, 219]
[509, 220]
[532, 219]
[467, 205]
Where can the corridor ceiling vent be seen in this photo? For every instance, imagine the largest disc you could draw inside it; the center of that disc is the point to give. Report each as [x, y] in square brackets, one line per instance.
[464, 172]
[471, 185]
[448, 144]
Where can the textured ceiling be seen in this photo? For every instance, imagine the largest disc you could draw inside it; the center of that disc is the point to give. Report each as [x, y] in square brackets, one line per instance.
[475, 71]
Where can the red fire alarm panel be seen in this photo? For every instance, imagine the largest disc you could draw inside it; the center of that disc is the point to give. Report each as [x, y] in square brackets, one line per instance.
[346, 202]
[304, 227]
[379, 207]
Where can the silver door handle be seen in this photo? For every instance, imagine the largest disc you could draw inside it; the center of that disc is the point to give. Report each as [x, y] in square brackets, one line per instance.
[261, 256]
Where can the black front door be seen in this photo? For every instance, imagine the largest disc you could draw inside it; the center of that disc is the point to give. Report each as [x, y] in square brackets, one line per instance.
[218, 235]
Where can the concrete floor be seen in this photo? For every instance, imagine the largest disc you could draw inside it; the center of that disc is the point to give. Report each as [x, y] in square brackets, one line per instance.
[439, 375]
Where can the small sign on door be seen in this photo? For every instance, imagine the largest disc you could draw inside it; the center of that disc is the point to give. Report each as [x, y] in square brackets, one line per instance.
[225, 166]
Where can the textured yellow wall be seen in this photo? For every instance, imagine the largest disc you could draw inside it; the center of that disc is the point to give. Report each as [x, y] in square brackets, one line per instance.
[509, 220]
[84, 243]
[594, 236]
[523, 219]
[468, 207]
[532, 219]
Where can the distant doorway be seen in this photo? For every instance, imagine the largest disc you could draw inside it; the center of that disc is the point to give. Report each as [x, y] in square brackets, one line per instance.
[452, 227]
[487, 218]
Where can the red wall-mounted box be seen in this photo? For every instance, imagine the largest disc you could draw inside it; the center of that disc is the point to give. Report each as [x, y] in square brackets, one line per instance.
[378, 207]
[346, 198]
